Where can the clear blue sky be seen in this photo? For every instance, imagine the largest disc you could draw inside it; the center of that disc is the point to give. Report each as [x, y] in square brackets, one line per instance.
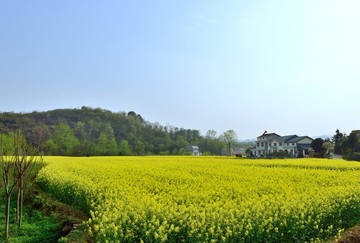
[282, 66]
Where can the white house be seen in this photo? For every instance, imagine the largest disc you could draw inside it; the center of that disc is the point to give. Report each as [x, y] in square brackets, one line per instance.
[193, 150]
[269, 143]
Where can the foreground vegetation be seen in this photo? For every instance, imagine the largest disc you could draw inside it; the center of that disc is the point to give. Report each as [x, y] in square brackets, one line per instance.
[45, 220]
[36, 227]
[204, 199]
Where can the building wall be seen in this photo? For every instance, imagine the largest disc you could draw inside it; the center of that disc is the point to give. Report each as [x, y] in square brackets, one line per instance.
[272, 143]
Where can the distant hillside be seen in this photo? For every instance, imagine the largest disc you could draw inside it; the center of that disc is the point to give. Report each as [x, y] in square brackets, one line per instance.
[89, 131]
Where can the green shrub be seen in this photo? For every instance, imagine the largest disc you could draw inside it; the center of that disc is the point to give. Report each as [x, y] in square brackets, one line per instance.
[355, 156]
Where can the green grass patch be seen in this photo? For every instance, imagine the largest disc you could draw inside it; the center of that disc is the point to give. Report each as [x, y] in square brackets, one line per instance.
[37, 227]
[44, 218]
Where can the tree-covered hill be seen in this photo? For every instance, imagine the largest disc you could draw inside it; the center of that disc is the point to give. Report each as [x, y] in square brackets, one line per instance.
[88, 131]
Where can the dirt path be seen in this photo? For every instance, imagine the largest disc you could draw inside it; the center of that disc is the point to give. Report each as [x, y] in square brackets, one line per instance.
[350, 236]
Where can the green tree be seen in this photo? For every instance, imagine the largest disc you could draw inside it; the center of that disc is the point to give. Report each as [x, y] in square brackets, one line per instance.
[8, 169]
[211, 134]
[17, 158]
[351, 143]
[124, 148]
[139, 147]
[351, 147]
[106, 143]
[210, 144]
[317, 146]
[328, 147]
[40, 135]
[179, 145]
[229, 138]
[63, 141]
[337, 140]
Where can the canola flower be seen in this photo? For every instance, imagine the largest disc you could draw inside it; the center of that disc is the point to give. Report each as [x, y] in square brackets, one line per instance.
[208, 199]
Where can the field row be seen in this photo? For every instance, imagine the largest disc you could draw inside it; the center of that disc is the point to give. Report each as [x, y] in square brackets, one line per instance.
[204, 199]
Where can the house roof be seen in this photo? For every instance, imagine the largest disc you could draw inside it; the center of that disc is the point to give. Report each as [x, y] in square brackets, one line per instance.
[285, 139]
[297, 139]
[265, 134]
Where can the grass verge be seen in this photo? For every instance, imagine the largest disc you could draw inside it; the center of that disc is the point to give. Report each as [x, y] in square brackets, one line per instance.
[45, 220]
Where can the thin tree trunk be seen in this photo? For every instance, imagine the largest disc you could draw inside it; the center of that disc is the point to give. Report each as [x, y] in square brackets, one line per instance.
[9, 188]
[18, 199]
[18, 206]
[5, 177]
[7, 214]
[20, 202]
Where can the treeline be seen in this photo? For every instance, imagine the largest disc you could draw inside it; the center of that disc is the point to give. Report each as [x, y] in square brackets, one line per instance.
[347, 145]
[88, 132]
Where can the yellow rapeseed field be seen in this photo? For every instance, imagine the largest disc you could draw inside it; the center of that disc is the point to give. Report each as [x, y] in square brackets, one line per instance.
[208, 199]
